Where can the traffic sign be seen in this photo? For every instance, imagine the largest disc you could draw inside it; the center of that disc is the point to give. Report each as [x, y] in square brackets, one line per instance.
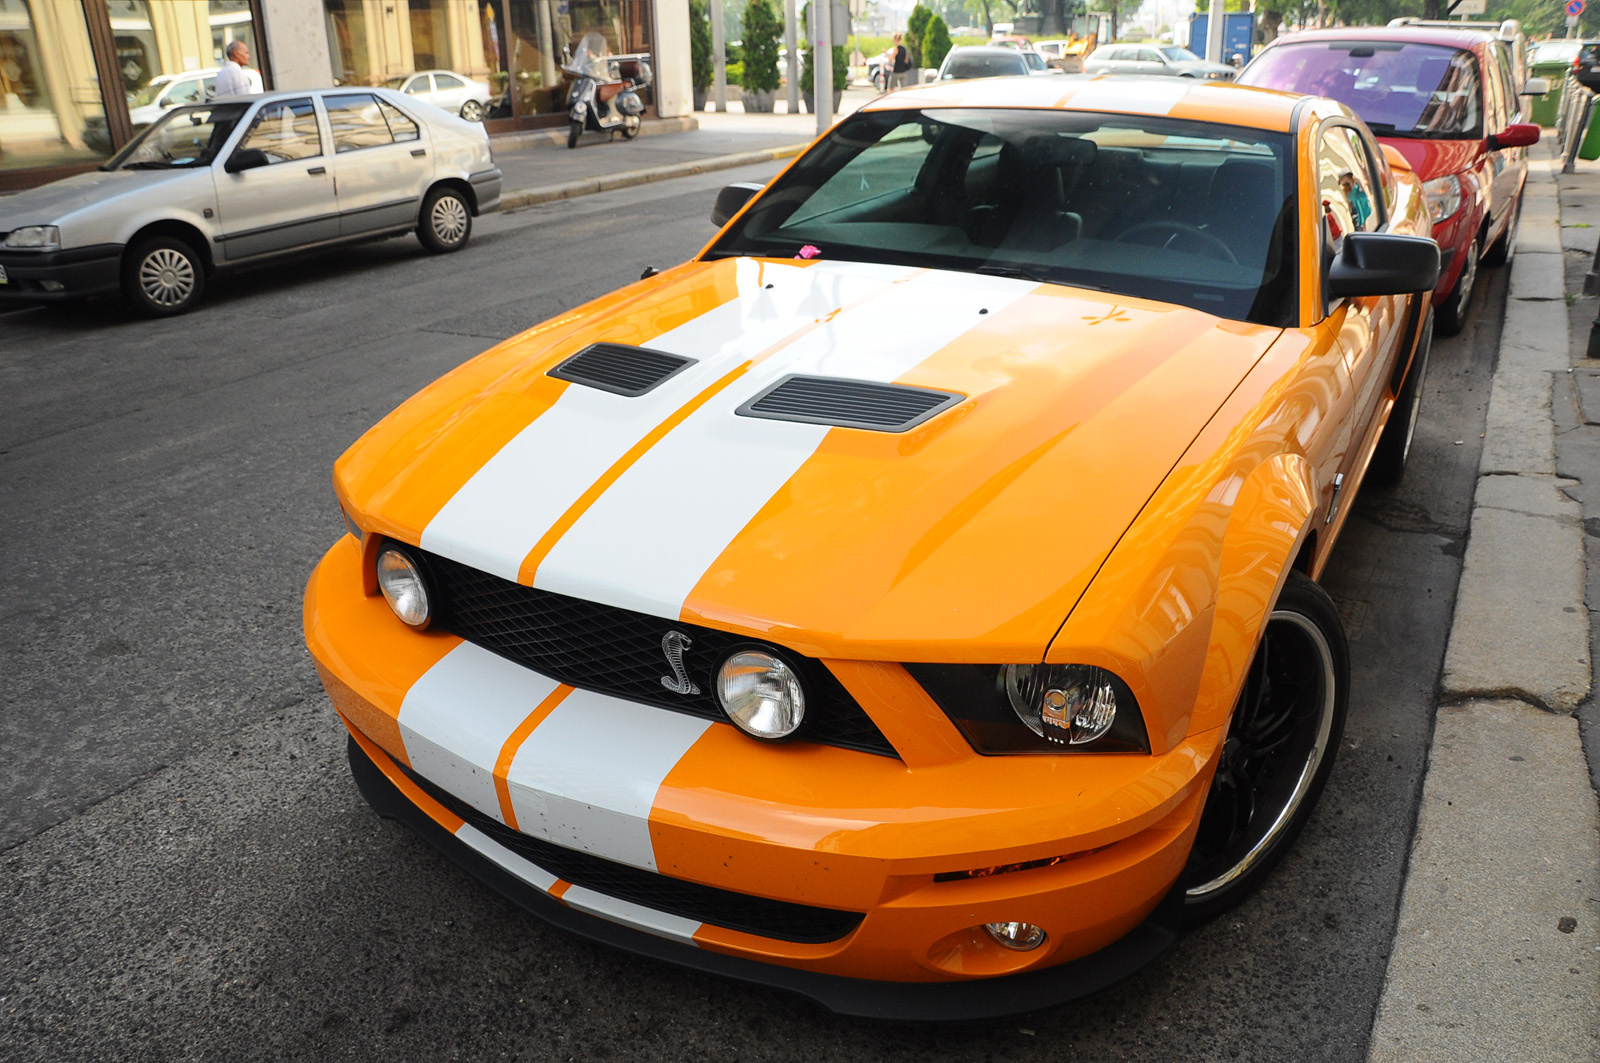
[1574, 8]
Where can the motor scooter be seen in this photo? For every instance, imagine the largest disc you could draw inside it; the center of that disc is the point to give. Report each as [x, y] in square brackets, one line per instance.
[604, 97]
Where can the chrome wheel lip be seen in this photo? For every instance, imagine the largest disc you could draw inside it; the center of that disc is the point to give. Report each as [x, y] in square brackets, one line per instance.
[1308, 771]
[167, 277]
[449, 219]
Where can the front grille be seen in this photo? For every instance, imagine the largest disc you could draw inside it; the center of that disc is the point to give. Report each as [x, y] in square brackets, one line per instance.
[848, 403]
[619, 652]
[690, 900]
[620, 369]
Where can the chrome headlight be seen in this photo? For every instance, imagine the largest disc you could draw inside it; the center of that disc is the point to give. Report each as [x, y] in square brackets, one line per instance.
[403, 586]
[1444, 197]
[1071, 703]
[35, 238]
[1037, 708]
[761, 695]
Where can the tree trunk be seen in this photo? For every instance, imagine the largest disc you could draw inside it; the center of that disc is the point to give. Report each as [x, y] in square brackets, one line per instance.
[1270, 21]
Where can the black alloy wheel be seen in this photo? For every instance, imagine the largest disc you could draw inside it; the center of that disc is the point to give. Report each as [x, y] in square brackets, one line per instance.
[163, 276]
[1394, 445]
[1452, 312]
[574, 131]
[1280, 748]
[445, 221]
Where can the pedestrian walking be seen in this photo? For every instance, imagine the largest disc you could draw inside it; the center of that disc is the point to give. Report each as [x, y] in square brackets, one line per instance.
[898, 62]
[234, 77]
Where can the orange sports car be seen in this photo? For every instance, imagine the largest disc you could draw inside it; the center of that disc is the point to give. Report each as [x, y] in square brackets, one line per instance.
[909, 602]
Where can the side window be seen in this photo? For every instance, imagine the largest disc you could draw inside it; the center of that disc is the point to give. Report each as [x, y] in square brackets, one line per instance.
[1494, 90]
[185, 92]
[420, 85]
[1149, 55]
[1513, 87]
[356, 122]
[1344, 185]
[400, 126]
[446, 81]
[1365, 194]
[285, 130]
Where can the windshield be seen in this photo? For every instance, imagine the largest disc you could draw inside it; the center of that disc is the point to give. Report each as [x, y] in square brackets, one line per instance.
[983, 66]
[1183, 212]
[182, 138]
[147, 95]
[1398, 89]
[1180, 55]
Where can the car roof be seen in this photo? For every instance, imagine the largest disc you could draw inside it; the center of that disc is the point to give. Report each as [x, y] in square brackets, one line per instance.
[1452, 38]
[1187, 98]
[983, 49]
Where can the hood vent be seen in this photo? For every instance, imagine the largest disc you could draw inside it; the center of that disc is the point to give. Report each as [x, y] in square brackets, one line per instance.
[848, 403]
[620, 369]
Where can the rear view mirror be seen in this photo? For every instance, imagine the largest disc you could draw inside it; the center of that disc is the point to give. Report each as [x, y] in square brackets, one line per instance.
[1383, 264]
[731, 200]
[246, 159]
[1519, 135]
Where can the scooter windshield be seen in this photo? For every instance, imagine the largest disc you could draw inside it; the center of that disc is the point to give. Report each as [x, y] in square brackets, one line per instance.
[590, 57]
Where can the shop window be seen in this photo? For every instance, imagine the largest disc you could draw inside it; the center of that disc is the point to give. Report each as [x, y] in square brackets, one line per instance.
[168, 51]
[50, 102]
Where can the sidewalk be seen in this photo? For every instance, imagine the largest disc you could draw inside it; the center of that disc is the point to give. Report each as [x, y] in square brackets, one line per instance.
[1497, 949]
[538, 167]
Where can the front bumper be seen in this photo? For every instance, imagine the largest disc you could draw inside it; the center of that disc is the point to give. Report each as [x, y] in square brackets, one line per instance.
[80, 271]
[696, 805]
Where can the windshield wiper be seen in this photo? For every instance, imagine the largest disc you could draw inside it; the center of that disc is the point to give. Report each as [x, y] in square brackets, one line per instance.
[990, 269]
[1381, 127]
[147, 165]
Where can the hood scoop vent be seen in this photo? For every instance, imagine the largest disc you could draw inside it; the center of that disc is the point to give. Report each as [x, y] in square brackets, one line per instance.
[848, 403]
[620, 369]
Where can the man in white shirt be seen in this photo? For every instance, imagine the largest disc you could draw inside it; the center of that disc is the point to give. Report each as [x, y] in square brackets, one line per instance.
[234, 77]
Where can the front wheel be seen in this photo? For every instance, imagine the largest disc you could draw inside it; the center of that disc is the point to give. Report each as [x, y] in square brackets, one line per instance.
[1452, 312]
[574, 131]
[472, 111]
[630, 126]
[446, 221]
[1279, 751]
[163, 276]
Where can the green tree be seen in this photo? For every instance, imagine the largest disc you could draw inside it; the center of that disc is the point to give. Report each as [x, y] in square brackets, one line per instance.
[935, 42]
[915, 25]
[701, 73]
[762, 31]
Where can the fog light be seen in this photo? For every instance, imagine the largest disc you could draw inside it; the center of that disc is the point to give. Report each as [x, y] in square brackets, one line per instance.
[1022, 937]
[403, 586]
[761, 695]
[53, 286]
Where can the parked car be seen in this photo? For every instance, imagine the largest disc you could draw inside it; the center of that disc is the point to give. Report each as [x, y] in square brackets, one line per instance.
[1066, 54]
[166, 91]
[910, 602]
[984, 61]
[1154, 59]
[209, 187]
[446, 90]
[1450, 102]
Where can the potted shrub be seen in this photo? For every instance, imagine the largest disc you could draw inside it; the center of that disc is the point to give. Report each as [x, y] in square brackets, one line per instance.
[935, 43]
[916, 28]
[701, 73]
[762, 32]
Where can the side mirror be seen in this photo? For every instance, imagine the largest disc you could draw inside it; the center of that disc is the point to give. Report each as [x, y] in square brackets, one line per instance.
[1383, 264]
[930, 76]
[1518, 135]
[246, 159]
[731, 200]
[167, 102]
[1536, 87]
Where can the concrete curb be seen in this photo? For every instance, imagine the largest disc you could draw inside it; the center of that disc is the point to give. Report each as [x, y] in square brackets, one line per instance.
[1497, 950]
[586, 186]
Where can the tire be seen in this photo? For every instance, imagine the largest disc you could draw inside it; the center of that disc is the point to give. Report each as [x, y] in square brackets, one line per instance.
[445, 221]
[574, 131]
[472, 111]
[1280, 749]
[1451, 313]
[1394, 446]
[631, 124]
[163, 276]
[1501, 250]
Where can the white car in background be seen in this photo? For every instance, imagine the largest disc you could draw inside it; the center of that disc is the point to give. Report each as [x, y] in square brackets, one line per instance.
[446, 90]
[166, 91]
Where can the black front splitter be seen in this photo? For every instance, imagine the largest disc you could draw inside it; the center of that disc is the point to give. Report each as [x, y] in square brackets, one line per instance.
[967, 1001]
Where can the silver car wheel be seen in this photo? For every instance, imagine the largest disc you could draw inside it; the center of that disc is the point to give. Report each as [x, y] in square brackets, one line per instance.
[449, 219]
[166, 277]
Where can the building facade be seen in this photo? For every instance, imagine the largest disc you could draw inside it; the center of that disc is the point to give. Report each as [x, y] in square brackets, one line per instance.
[80, 78]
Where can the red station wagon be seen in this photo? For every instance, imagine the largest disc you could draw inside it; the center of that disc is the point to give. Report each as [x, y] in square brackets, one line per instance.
[1446, 99]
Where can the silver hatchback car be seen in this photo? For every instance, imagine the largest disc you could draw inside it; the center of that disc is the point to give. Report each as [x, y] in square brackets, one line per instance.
[240, 180]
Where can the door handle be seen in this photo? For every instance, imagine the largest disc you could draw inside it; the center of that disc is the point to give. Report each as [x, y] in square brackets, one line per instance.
[317, 171]
[418, 152]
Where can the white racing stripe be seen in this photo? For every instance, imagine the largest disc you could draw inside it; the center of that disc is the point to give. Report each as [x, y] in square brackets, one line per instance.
[587, 776]
[649, 539]
[457, 717]
[500, 514]
[675, 927]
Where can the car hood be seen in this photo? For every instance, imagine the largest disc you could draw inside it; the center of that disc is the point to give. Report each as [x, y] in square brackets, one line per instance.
[1436, 158]
[968, 537]
[47, 204]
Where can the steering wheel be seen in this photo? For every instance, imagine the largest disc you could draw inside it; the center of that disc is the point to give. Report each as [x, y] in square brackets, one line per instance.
[1209, 244]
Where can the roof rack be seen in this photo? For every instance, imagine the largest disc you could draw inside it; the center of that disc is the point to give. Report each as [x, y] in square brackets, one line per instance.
[1509, 30]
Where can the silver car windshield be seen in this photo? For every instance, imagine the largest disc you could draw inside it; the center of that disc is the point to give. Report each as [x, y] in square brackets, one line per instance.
[183, 138]
[1191, 213]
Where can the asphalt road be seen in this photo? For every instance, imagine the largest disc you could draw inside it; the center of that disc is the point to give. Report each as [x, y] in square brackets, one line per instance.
[186, 870]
